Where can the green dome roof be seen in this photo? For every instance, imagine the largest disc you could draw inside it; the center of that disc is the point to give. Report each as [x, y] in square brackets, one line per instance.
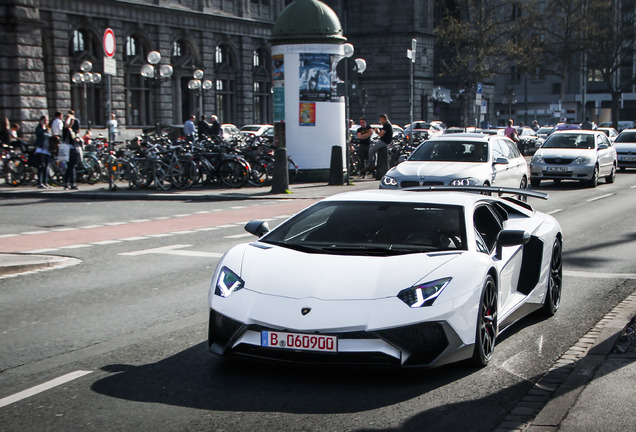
[307, 21]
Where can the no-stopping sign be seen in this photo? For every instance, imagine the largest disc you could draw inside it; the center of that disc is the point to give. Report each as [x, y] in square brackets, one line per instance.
[109, 43]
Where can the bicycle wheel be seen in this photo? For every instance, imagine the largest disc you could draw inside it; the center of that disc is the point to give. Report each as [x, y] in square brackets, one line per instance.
[57, 169]
[292, 169]
[205, 173]
[15, 171]
[259, 175]
[162, 177]
[92, 170]
[183, 173]
[233, 173]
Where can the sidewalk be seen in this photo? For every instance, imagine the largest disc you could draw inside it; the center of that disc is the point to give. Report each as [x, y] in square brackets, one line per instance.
[592, 387]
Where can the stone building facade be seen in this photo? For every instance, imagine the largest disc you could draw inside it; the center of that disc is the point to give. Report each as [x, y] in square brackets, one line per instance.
[43, 43]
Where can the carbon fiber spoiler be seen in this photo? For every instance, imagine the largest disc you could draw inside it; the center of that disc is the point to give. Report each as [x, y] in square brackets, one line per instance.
[499, 191]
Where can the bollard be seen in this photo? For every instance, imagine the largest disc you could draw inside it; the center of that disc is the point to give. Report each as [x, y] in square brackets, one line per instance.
[383, 163]
[336, 175]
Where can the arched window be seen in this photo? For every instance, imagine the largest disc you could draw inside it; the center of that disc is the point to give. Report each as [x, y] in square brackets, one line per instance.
[185, 61]
[87, 96]
[139, 96]
[225, 72]
[262, 96]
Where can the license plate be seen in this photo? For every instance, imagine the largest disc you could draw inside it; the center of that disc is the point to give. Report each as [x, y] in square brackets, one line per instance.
[557, 169]
[299, 341]
[629, 158]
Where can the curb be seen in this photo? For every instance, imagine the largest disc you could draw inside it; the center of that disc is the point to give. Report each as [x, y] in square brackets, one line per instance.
[553, 395]
[12, 265]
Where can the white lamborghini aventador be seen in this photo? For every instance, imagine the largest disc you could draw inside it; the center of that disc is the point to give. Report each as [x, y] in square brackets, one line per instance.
[399, 277]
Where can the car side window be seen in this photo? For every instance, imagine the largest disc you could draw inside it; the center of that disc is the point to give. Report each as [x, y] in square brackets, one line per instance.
[488, 225]
[497, 151]
[604, 140]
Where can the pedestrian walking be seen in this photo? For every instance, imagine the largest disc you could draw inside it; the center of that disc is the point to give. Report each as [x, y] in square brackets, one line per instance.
[43, 137]
[203, 128]
[189, 129]
[363, 133]
[57, 125]
[215, 129]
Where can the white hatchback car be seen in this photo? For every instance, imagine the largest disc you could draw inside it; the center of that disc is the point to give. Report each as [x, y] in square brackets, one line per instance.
[583, 155]
[461, 159]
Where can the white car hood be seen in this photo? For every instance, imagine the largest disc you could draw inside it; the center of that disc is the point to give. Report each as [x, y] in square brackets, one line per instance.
[625, 146]
[439, 169]
[285, 272]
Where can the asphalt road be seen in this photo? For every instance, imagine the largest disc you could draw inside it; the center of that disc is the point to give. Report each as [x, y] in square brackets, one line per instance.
[124, 331]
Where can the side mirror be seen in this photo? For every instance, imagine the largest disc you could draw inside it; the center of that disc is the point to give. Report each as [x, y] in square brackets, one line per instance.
[602, 146]
[511, 238]
[502, 161]
[257, 227]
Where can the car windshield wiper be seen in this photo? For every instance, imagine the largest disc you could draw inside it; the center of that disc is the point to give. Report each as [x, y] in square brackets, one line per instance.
[296, 246]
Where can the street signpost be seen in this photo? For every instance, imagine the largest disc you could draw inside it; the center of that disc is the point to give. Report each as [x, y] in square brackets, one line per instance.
[110, 69]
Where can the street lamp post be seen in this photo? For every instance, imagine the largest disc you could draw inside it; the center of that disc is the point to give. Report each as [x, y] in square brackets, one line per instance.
[198, 86]
[85, 78]
[156, 74]
[359, 66]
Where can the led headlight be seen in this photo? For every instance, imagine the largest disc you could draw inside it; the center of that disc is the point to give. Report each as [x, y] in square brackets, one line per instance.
[227, 283]
[465, 182]
[389, 181]
[423, 294]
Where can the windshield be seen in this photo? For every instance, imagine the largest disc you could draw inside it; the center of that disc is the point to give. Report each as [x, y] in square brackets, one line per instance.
[373, 228]
[629, 137]
[570, 140]
[451, 151]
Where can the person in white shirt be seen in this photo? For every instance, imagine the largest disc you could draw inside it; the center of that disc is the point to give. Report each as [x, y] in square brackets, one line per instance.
[57, 125]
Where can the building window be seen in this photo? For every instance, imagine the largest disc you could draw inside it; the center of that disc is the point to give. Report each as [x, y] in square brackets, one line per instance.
[139, 96]
[225, 71]
[86, 98]
[262, 90]
[78, 42]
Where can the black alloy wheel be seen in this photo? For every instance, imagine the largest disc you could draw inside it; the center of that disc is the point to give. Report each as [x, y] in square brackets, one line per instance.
[555, 281]
[486, 324]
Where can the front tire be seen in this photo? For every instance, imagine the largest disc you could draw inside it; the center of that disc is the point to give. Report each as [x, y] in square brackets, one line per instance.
[612, 175]
[593, 182]
[555, 281]
[486, 333]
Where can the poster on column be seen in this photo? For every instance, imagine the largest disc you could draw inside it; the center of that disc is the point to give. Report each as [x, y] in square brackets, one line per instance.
[315, 77]
[278, 78]
[307, 116]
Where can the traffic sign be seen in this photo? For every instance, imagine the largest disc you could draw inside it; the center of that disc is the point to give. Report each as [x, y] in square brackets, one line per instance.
[109, 43]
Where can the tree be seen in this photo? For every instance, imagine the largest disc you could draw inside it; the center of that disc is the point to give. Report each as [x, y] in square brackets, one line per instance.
[610, 46]
[475, 40]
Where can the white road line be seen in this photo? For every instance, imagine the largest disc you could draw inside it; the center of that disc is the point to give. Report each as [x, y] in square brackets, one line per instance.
[8, 235]
[159, 235]
[63, 229]
[555, 211]
[76, 246]
[106, 242]
[161, 218]
[237, 236]
[90, 226]
[133, 238]
[140, 220]
[207, 229]
[115, 223]
[171, 250]
[40, 251]
[575, 273]
[600, 197]
[33, 232]
[202, 212]
[182, 232]
[42, 387]
[182, 215]
[227, 226]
